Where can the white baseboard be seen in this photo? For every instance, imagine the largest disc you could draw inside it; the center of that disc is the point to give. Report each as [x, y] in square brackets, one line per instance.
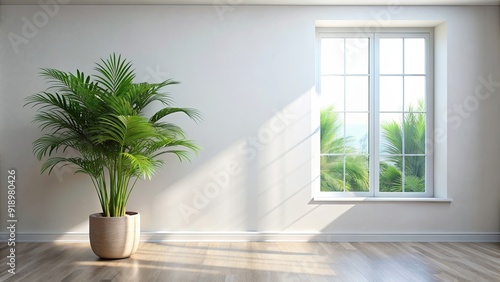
[269, 237]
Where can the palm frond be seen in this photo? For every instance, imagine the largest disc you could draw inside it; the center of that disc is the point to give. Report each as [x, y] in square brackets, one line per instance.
[144, 165]
[143, 94]
[339, 173]
[115, 73]
[124, 130]
[192, 113]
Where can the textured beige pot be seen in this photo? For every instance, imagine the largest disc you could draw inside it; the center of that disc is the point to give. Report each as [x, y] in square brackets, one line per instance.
[114, 237]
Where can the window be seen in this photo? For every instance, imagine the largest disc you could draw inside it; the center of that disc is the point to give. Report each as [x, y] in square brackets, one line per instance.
[376, 113]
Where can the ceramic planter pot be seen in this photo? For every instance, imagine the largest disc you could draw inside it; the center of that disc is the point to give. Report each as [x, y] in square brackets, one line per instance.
[114, 237]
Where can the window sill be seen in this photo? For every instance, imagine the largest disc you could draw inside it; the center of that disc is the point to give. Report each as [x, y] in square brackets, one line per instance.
[319, 200]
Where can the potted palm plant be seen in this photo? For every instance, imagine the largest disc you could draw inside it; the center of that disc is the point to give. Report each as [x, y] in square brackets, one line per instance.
[104, 119]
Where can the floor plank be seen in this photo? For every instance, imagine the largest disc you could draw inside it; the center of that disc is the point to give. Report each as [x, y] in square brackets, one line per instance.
[260, 261]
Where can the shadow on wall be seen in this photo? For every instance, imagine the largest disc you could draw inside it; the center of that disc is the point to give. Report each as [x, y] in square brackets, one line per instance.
[244, 186]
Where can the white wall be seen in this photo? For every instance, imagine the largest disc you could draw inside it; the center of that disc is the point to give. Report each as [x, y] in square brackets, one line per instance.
[250, 70]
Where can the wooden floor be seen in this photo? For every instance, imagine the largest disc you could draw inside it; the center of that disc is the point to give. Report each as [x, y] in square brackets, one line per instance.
[259, 261]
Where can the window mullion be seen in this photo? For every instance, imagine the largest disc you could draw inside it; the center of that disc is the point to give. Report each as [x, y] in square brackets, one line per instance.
[344, 119]
[374, 118]
[403, 137]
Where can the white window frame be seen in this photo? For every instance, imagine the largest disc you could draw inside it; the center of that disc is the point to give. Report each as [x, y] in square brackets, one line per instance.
[374, 125]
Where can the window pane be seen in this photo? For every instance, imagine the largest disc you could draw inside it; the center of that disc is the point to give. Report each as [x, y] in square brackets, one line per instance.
[344, 173]
[415, 93]
[357, 55]
[332, 56]
[332, 173]
[332, 92]
[356, 173]
[391, 55]
[356, 126]
[391, 133]
[390, 177]
[331, 132]
[414, 174]
[414, 130]
[415, 55]
[356, 93]
[391, 93]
